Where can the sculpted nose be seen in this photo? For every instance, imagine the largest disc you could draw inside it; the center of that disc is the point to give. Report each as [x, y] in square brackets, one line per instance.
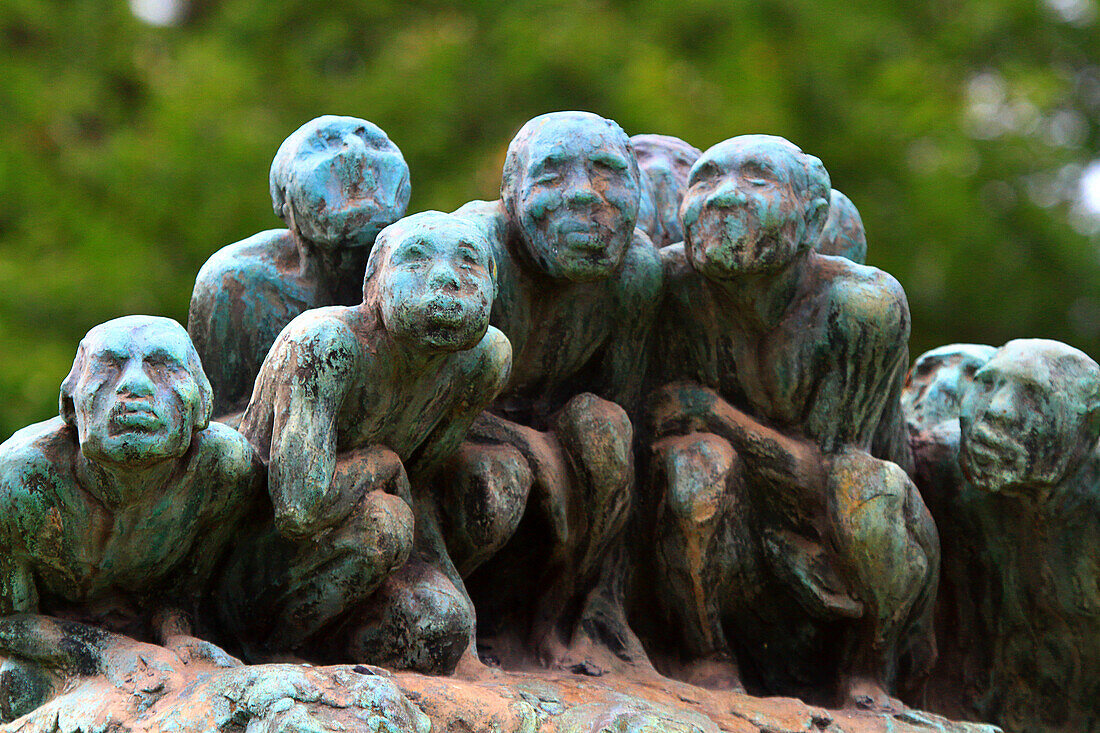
[1001, 408]
[134, 381]
[443, 277]
[581, 192]
[728, 194]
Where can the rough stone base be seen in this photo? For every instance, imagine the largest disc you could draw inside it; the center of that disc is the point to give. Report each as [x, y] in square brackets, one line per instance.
[291, 698]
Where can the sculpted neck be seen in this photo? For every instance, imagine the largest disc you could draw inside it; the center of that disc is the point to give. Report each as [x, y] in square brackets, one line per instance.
[760, 302]
[338, 271]
[117, 485]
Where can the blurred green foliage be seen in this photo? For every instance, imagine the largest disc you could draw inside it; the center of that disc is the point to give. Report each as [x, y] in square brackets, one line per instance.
[131, 152]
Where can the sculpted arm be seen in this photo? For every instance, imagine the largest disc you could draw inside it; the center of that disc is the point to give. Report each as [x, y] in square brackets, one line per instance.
[858, 391]
[18, 593]
[312, 370]
[790, 463]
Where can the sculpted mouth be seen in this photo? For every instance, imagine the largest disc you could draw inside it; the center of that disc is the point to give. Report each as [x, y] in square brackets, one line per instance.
[136, 417]
[581, 235]
[445, 312]
[986, 449]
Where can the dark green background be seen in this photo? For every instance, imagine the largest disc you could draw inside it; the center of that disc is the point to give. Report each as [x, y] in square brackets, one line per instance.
[130, 153]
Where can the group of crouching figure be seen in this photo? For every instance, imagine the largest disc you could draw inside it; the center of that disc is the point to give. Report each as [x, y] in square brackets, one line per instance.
[647, 411]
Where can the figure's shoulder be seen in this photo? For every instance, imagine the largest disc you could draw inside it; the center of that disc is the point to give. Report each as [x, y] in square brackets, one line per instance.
[681, 282]
[34, 458]
[322, 340]
[487, 366]
[225, 452]
[861, 295]
[490, 217]
[260, 253]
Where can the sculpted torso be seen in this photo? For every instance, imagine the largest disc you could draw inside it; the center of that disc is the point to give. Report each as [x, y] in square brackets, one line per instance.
[81, 547]
[565, 335]
[130, 486]
[842, 314]
[386, 400]
[244, 296]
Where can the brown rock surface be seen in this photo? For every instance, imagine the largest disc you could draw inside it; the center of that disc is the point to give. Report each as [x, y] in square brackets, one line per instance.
[296, 698]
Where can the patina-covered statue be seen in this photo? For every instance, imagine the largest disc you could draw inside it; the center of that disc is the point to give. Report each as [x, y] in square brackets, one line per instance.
[433, 494]
[336, 182]
[116, 512]
[787, 533]
[1015, 490]
[354, 408]
[579, 285]
[843, 234]
[664, 162]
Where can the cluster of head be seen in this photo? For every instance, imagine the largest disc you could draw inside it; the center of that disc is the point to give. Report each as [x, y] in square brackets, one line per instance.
[575, 186]
[1028, 412]
[572, 188]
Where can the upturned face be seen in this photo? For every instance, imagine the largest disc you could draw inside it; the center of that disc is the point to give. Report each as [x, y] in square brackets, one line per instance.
[665, 163]
[437, 285]
[938, 380]
[135, 400]
[747, 207]
[1027, 419]
[572, 187]
[344, 181]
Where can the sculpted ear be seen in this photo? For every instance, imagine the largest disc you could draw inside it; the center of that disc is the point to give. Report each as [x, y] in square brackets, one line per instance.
[203, 407]
[818, 192]
[68, 388]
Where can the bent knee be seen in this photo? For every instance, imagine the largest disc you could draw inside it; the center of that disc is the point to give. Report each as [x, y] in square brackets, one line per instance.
[598, 436]
[381, 531]
[695, 471]
[421, 623]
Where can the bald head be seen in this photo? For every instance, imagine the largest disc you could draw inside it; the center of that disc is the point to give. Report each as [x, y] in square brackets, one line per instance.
[1031, 417]
[136, 391]
[665, 163]
[937, 382]
[843, 234]
[571, 190]
[753, 203]
[339, 180]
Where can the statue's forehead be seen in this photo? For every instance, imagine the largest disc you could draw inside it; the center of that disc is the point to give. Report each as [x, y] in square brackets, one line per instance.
[333, 126]
[757, 149]
[664, 148]
[570, 137]
[440, 234]
[956, 354]
[131, 337]
[1021, 364]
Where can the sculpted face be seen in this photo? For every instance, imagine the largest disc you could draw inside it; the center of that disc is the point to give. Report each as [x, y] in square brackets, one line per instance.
[665, 163]
[938, 380]
[571, 186]
[136, 392]
[338, 181]
[433, 277]
[1030, 417]
[753, 203]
